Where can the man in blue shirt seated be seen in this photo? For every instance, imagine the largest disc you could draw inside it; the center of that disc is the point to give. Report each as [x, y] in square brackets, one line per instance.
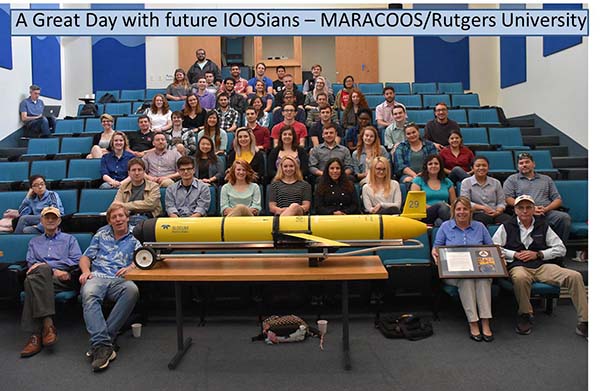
[32, 115]
[50, 258]
[188, 197]
[103, 266]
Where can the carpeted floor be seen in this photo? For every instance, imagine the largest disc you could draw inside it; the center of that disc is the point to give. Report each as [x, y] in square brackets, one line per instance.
[223, 358]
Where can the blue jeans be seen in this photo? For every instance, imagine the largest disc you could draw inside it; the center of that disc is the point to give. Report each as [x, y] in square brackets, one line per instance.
[41, 127]
[122, 292]
[29, 224]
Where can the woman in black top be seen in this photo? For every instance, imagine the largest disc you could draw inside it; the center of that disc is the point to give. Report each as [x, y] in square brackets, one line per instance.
[210, 169]
[335, 194]
[193, 114]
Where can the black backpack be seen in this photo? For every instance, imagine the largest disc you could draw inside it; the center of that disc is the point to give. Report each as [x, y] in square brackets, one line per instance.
[107, 98]
[406, 326]
[89, 109]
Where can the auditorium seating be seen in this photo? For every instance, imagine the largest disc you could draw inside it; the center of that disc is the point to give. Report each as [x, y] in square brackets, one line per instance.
[542, 159]
[507, 138]
[371, 88]
[424, 88]
[486, 117]
[93, 125]
[100, 93]
[12, 174]
[118, 109]
[176, 105]
[501, 163]
[400, 88]
[150, 92]
[41, 148]
[420, 117]
[430, 101]
[465, 100]
[70, 126]
[410, 101]
[126, 124]
[74, 147]
[82, 173]
[53, 170]
[374, 100]
[450, 88]
[459, 116]
[132, 95]
[574, 196]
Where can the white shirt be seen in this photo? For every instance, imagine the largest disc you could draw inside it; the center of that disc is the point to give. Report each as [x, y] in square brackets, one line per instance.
[556, 247]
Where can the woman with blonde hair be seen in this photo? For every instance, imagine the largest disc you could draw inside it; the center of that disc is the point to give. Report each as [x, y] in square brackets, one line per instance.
[244, 148]
[475, 293]
[159, 114]
[290, 194]
[368, 147]
[381, 195]
[180, 88]
[240, 196]
[320, 87]
[102, 140]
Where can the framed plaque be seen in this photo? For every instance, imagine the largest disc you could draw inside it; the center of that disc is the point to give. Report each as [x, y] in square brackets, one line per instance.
[483, 261]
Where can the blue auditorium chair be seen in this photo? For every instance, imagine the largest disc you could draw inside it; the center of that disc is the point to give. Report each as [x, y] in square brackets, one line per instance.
[574, 196]
[150, 92]
[465, 100]
[132, 95]
[430, 101]
[541, 290]
[74, 147]
[93, 125]
[374, 100]
[53, 170]
[95, 201]
[82, 173]
[507, 138]
[371, 88]
[69, 126]
[12, 174]
[69, 200]
[213, 209]
[459, 116]
[100, 93]
[41, 148]
[400, 88]
[11, 199]
[501, 162]
[118, 109]
[451, 88]
[424, 88]
[410, 101]
[479, 117]
[336, 87]
[126, 123]
[475, 136]
[420, 117]
[176, 105]
[542, 159]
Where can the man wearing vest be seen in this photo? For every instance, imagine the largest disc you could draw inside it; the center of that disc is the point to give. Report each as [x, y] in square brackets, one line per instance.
[528, 245]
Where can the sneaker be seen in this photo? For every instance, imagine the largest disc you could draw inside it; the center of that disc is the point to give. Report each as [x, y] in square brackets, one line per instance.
[524, 324]
[102, 356]
[582, 329]
[89, 354]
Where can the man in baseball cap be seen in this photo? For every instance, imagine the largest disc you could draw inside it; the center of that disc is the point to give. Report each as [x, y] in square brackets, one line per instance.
[50, 259]
[530, 247]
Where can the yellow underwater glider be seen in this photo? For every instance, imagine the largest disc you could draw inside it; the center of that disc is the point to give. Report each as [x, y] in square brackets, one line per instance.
[321, 236]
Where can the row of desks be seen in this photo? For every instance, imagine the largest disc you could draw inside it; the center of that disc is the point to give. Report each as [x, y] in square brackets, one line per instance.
[181, 270]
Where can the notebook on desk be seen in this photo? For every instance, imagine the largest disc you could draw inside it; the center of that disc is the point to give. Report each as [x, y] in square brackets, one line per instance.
[51, 111]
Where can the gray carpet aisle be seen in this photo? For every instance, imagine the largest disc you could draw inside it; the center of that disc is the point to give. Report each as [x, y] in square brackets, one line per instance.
[223, 358]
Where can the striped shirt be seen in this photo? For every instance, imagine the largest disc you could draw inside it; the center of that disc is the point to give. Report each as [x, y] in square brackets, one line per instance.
[285, 194]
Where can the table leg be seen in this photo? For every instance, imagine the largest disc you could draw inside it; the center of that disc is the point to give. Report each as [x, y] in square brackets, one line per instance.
[345, 327]
[182, 346]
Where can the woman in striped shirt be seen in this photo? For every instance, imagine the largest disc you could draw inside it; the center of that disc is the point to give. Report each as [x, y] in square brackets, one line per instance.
[290, 194]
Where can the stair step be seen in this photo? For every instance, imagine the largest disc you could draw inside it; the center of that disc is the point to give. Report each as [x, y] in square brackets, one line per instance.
[521, 122]
[556, 150]
[541, 140]
[574, 173]
[526, 131]
[570, 162]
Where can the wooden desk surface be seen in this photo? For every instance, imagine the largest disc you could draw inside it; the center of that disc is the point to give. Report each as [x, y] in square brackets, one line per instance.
[263, 269]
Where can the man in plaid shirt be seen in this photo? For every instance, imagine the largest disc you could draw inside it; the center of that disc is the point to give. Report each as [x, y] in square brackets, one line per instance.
[228, 116]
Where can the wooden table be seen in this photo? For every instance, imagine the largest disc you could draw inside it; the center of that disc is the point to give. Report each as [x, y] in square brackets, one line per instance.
[257, 269]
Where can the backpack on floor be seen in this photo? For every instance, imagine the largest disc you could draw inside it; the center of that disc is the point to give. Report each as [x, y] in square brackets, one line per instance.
[89, 109]
[287, 328]
[107, 98]
[406, 326]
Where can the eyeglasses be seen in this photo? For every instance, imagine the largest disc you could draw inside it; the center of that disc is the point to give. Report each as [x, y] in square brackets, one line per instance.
[186, 169]
[441, 110]
[525, 155]
[288, 111]
[38, 185]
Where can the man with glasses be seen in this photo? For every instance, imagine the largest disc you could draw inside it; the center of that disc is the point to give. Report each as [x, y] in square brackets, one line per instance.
[200, 67]
[529, 246]
[32, 115]
[188, 197]
[543, 190]
[289, 115]
[438, 130]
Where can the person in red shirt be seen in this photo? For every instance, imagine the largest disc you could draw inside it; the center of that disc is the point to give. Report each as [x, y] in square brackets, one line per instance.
[289, 115]
[263, 138]
[457, 158]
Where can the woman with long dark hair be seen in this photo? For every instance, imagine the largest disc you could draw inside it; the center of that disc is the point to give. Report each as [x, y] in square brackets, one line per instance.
[210, 169]
[439, 190]
[212, 129]
[335, 194]
[287, 146]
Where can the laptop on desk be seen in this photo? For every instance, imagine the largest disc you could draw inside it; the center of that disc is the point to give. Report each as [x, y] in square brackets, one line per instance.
[51, 111]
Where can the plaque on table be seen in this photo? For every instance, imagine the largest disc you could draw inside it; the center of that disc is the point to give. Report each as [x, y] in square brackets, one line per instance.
[471, 262]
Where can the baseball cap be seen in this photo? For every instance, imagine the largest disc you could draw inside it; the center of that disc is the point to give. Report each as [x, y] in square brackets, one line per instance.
[50, 209]
[524, 197]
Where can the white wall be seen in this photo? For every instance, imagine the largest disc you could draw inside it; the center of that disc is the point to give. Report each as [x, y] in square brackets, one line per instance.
[556, 89]
[484, 55]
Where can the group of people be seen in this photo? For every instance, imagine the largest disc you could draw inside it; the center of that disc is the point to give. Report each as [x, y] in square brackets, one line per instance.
[187, 151]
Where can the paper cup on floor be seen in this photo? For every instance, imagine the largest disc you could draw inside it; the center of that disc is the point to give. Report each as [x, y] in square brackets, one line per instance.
[322, 326]
[136, 329]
